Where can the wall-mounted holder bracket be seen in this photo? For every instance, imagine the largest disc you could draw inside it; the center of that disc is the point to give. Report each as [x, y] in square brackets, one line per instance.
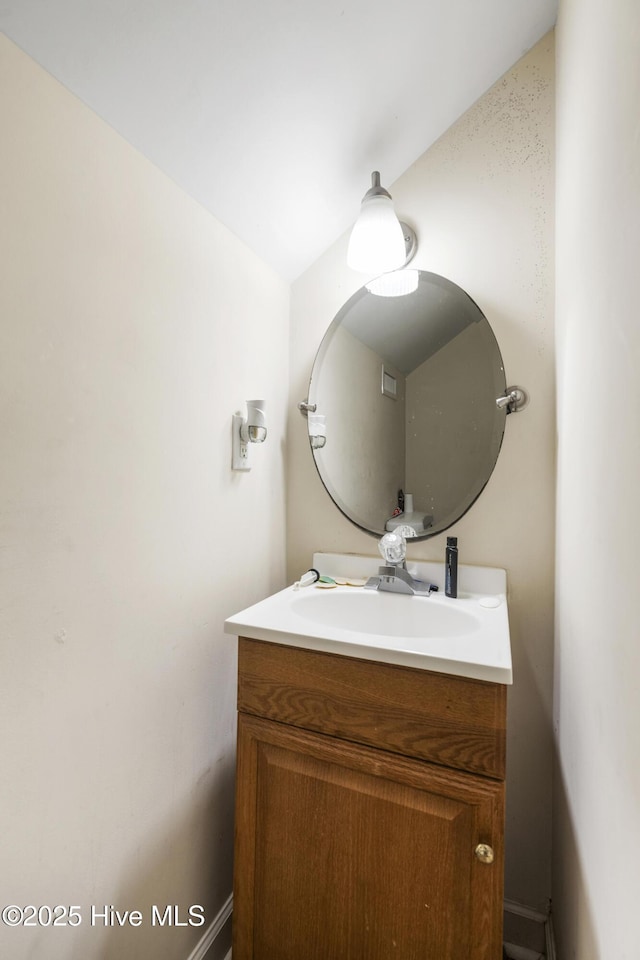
[515, 399]
[306, 408]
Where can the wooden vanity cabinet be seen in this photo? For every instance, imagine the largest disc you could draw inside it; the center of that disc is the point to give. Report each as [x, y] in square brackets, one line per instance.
[369, 799]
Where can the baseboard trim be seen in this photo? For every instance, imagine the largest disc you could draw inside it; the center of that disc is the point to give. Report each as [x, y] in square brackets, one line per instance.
[212, 933]
[521, 910]
[514, 952]
[524, 931]
[550, 939]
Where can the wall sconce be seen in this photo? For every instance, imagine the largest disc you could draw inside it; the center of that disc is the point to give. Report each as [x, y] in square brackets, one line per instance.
[245, 431]
[379, 242]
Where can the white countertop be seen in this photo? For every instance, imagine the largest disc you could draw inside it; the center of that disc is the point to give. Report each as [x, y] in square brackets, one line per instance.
[467, 636]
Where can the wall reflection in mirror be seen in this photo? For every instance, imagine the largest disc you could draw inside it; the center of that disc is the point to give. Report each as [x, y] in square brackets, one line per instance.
[406, 427]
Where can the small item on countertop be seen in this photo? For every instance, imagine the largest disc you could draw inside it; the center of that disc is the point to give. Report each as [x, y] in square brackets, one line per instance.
[350, 582]
[311, 576]
[451, 568]
[326, 583]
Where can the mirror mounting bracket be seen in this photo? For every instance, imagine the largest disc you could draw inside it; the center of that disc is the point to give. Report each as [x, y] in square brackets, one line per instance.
[515, 399]
[306, 408]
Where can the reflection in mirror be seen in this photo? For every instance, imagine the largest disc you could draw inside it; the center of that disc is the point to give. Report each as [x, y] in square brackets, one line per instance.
[406, 391]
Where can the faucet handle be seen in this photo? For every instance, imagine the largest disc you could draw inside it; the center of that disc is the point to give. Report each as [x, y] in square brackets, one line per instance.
[393, 545]
[393, 548]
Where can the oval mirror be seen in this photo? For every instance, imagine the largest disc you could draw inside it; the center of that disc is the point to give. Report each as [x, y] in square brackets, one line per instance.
[406, 427]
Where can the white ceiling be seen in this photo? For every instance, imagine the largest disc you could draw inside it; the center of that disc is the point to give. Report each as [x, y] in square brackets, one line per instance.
[273, 114]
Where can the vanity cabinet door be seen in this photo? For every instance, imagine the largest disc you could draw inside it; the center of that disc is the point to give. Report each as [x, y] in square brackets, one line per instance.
[347, 852]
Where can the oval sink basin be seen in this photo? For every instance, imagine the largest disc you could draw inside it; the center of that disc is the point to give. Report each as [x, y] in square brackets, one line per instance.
[384, 614]
[467, 636]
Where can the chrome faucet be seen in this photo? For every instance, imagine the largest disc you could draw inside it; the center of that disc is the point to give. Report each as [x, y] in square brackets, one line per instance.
[393, 575]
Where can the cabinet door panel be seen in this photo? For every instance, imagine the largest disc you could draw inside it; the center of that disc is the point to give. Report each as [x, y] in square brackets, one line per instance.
[349, 853]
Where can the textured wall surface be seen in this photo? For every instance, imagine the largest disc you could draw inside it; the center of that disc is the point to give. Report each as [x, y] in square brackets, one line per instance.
[133, 325]
[596, 887]
[482, 201]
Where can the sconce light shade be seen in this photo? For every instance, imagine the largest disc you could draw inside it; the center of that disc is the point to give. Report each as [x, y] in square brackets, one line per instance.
[377, 240]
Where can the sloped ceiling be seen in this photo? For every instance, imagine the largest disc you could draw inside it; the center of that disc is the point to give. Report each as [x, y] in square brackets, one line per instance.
[273, 114]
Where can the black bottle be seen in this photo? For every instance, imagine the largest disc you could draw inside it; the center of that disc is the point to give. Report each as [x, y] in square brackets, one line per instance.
[451, 568]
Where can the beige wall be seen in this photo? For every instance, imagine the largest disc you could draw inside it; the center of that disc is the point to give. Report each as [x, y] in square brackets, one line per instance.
[482, 202]
[132, 326]
[597, 707]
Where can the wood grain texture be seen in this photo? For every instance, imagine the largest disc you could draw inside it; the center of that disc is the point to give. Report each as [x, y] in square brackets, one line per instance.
[454, 721]
[351, 853]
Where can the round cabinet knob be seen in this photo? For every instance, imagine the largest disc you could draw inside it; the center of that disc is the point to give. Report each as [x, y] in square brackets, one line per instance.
[484, 853]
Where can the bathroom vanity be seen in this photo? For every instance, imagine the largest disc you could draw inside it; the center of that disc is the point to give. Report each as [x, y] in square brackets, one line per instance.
[370, 774]
[371, 726]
